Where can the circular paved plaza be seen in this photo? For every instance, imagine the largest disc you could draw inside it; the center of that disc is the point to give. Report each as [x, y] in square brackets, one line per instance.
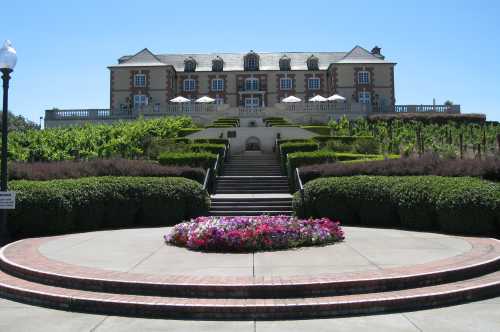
[397, 270]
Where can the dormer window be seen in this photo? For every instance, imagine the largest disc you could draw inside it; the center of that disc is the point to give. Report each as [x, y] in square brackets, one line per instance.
[285, 63]
[217, 64]
[313, 63]
[190, 64]
[251, 61]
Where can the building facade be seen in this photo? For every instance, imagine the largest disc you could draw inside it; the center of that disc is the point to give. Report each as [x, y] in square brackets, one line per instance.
[250, 80]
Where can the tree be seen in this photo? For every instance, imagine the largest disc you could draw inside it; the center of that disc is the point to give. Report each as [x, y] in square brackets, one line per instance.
[19, 123]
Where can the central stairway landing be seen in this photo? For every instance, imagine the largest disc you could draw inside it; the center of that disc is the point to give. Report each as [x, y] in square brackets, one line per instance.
[251, 184]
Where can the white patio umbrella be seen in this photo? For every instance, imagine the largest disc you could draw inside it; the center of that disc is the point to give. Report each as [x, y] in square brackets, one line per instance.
[180, 99]
[318, 98]
[336, 97]
[205, 99]
[291, 99]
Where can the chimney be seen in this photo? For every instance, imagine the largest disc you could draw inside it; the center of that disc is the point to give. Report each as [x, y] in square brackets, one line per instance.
[376, 50]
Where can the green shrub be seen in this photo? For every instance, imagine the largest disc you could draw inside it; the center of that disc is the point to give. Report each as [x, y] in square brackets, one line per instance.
[320, 130]
[338, 146]
[182, 140]
[224, 141]
[292, 147]
[187, 131]
[449, 204]
[367, 146]
[293, 140]
[76, 205]
[193, 159]
[208, 147]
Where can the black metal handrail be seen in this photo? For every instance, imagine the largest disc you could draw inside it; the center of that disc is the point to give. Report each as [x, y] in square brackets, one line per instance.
[211, 172]
[299, 183]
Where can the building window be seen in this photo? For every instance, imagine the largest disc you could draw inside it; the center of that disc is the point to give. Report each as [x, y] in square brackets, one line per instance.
[364, 97]
[313, 84]
[217, 64]
[313, 63]
[219, 100]
[139, 80]
[286, 84]
[189, 85]
[190, 64]
[156, 107]
[363, 77]
[140, 101]
[218, 84]
[251, 84]
[251, 61]
[284, 63]
[252, 102]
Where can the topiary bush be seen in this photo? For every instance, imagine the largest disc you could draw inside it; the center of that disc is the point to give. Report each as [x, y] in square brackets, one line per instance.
[193, 159]
[75, 205]
[452, 205]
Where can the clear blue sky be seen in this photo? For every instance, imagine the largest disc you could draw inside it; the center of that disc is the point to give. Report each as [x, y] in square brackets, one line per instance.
[444, 49]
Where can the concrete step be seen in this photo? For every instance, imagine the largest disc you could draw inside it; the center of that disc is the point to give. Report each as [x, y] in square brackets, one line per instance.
[225, 308]
[259, 208]
[249, 212]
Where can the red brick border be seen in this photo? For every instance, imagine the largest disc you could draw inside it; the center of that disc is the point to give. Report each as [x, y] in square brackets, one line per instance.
[22, 259]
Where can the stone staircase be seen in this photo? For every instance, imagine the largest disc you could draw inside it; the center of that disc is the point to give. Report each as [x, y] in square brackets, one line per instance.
[251, 184]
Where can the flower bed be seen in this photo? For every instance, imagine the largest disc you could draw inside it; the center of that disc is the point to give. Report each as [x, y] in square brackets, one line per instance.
[247, 234]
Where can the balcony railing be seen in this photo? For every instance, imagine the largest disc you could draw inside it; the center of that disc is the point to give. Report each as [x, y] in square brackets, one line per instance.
[426, 109]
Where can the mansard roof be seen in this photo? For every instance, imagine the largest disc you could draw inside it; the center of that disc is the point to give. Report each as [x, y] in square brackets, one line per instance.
[235, 61]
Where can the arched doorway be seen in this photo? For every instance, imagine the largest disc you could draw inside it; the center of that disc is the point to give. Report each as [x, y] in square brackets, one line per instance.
[252, 144]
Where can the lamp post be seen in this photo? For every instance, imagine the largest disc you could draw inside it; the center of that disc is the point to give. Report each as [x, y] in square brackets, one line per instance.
[8, 59]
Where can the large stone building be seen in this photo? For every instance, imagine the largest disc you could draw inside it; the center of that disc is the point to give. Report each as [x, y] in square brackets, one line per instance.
[250, 86]
[253, 79]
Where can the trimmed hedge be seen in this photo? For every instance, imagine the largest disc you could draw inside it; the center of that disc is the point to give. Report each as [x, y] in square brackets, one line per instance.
[292, 140]
[299, 159]
[488, 169]
[292, 147]
[107, 167]
[449, 204]
[193, 159]
[224, 141]
[320, 130]
[208, 147]
[76, 205]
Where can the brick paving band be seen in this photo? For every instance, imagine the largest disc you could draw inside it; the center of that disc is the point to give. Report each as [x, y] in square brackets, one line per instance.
[30, 277]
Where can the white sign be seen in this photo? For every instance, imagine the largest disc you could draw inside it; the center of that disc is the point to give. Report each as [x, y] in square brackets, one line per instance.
[7, 200]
